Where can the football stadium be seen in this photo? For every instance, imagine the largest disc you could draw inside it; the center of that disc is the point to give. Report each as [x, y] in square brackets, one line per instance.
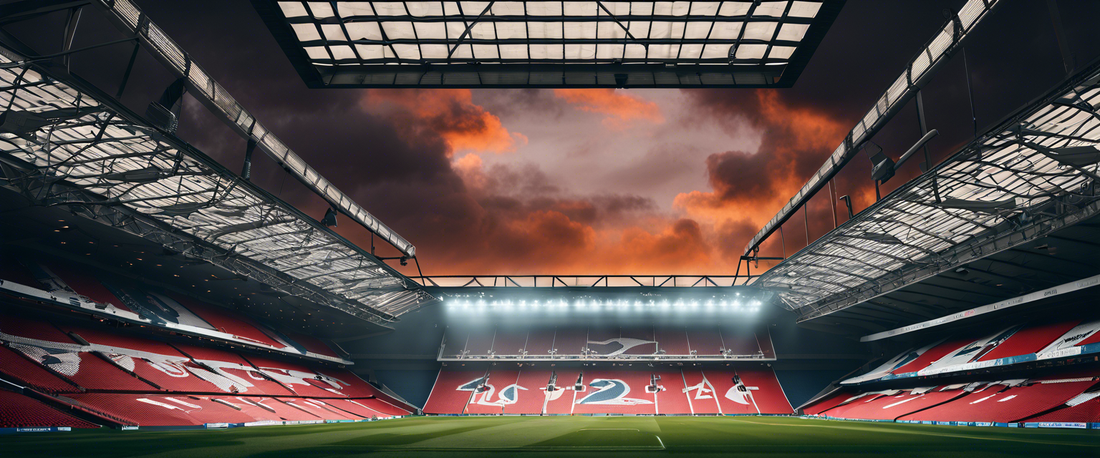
[752, 228]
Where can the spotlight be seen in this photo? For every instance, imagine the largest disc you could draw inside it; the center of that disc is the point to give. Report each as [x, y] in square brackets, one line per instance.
[330, 220]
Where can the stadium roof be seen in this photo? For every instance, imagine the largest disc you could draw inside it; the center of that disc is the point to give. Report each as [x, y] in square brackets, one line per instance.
[63, 142]
[1026, 178]
[905, 87]
[548, 43]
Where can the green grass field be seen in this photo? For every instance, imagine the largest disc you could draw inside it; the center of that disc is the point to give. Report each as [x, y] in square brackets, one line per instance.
[567, 436]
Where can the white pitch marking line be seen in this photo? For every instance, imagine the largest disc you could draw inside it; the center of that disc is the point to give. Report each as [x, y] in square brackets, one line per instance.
[660, 441]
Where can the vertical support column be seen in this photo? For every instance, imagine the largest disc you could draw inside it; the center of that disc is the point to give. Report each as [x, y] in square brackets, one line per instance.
[832, 202]
[927, 158]
[70, 34]
[246, 173]
[1060, 35]
[806, 219]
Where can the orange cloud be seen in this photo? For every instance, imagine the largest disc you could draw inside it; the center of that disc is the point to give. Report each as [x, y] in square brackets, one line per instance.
[451, 114]
[621, 109]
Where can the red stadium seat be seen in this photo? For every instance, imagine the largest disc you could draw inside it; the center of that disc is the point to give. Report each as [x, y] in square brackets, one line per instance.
[826, 403]
[86, 284]
[448, 395]
[932, 355]
[1029, 340]
[997, 404]
[501, 388]
[561, 400]
[671, 399]
[297, 377]
[734, 399]
[19, 411]
[701, 393]
[310, 343]
[247, 379]
[17, 368]
[769, 395]
[229, 322]
[616, 392]
[530, 401]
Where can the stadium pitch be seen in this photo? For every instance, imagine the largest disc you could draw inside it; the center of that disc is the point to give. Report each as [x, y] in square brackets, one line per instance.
[566, 436]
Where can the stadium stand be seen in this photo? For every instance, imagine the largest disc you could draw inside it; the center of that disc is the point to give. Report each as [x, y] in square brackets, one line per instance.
[311, 344]
[300, 379]
[85, 284]
[540, 342]
[509, 343]
[606, 342]
[498, 389]
[766, 392]
[623, 390]
[671, 399]
[531, 400]
[616, 392]
[560, 401]
[672, 341]
[453, 389]
[1030, 339]
[231, 372]
[17, 410]
[705, 342]
[18, 367]
[227, 322]
[701, 393]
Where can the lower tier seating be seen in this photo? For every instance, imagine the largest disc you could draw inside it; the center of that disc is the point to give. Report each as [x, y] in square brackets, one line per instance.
[17, 410]
[1065, 398]
[627, 391]
[127, 379]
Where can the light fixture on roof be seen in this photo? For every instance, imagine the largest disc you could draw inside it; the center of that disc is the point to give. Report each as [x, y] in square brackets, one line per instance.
[1074, 156]
[883, 238]
[980, 206]
[143, 175]
[884, 167]
[330, 218]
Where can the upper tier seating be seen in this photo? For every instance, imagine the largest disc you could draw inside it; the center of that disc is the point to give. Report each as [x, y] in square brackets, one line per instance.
[228, 322]
[606, 342]
[312, 344]
[973, 349]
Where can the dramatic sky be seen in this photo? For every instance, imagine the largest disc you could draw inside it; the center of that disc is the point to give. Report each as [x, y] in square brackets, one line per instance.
[611, 181]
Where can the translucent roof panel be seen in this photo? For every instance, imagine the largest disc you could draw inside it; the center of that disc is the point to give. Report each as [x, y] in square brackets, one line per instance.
[97, 154]
[549, 44]
[1032, 174]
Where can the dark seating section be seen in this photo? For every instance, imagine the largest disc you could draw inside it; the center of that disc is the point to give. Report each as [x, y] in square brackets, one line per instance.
[637, 342]
[130, 299]
[125, 378]
[17, 410]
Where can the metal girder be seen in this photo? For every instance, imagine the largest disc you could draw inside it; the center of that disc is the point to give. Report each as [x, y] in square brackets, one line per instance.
[916, 74]
[66, 143]
[549, 44]
[1010, 163]
[583, 281]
